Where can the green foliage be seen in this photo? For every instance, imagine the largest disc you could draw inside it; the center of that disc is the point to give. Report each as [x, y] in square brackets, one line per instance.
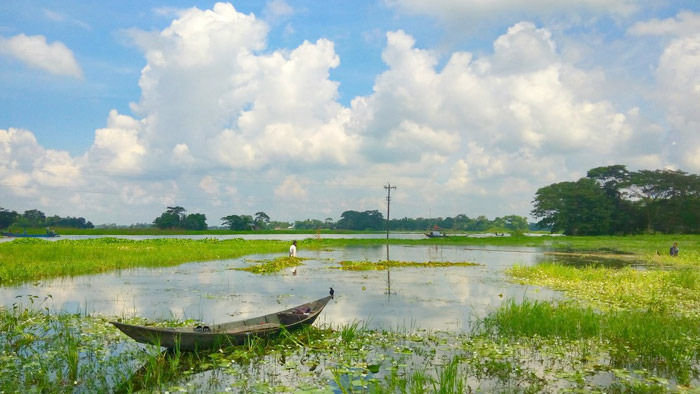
[267, 267]
[262, 221]
[575, 208]
[7, 217]
[238, 222]
[613, 200]
[176, 218]
[367, 220]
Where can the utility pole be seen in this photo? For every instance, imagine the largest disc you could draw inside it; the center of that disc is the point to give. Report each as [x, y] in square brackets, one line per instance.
[388, 188]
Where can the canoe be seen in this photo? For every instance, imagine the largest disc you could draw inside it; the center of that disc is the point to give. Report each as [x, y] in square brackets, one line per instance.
[233, 333]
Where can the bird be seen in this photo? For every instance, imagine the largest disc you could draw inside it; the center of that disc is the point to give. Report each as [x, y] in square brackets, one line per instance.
[332, 292]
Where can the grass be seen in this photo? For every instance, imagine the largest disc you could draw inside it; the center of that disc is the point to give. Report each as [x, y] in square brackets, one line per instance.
[26, 260]
[652, 340]
[671, 291]
[266, 267]
[384, 264]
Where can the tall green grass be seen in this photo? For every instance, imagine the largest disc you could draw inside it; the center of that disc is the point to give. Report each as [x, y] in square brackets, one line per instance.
[652, 340]
[32, 259]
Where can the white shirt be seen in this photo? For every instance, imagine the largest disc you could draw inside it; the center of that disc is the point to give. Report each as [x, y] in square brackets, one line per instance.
[293, 251]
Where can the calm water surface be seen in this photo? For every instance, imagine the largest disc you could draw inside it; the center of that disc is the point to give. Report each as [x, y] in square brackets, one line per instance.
[213, 292]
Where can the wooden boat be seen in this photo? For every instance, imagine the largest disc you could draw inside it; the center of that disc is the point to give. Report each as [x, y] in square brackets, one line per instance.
[233, 333]
[435, 234]
[25, 235]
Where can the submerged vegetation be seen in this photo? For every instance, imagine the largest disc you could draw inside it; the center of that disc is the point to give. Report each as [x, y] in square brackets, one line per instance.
[383, 265]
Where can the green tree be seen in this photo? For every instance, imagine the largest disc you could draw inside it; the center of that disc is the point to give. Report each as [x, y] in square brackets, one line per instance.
[516, 223]
[195, 221]
[238, 222]
[367, 220]
[651, 191]
[7, 218]
[173, 217]
[261, 220]
[614, 180]
[576, 208]
[33, 218]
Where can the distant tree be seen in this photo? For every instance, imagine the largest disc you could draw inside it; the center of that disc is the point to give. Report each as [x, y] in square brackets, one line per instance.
[7, 218]
[173, 217]
[576, 208]
[516, 223]
[261, 220]
[33, 218]
[367, 220]
[308, 224]
[238, 222]
[195, 221]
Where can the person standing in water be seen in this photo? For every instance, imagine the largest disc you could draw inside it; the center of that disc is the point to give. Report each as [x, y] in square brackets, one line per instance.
[293, 249]
[293, 253]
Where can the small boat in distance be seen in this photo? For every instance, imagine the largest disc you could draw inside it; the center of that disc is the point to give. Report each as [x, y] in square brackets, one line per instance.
[226, 334]
[49, 234]
[435, 233]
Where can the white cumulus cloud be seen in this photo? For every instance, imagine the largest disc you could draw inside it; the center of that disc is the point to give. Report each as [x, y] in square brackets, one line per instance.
[35, 52]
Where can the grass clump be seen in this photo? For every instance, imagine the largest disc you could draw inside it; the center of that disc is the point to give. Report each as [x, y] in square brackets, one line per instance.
[266, 267]
[384, 264]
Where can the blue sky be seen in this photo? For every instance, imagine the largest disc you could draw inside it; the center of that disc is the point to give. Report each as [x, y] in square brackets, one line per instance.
[304, 109]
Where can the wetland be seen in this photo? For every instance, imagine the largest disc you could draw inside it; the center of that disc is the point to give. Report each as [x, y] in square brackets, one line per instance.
[520, 314]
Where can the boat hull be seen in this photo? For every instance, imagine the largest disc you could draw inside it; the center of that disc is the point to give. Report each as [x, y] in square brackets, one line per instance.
[21, 235]
[227, 334]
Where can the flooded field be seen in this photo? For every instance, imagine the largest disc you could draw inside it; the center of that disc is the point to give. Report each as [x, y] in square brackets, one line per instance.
[443, 298]
[498, 325]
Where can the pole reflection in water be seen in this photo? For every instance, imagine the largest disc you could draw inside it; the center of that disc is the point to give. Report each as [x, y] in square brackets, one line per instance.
[388, 273]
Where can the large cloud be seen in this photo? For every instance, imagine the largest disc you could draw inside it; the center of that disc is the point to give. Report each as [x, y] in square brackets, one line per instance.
[34, 51]
[493, 117]
[209, 87]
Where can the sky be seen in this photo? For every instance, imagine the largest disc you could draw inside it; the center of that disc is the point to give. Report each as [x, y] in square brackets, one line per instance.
[115, 110]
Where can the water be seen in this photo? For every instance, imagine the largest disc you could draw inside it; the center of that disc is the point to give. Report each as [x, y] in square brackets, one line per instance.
[213, 292]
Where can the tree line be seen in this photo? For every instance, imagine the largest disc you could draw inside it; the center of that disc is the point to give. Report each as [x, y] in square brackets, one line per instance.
[374, 220]
[614, 200]
[34, 218]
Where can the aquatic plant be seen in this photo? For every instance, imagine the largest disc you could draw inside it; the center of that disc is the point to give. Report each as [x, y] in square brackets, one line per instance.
[671, 291]
[272, 266]
[384, 264]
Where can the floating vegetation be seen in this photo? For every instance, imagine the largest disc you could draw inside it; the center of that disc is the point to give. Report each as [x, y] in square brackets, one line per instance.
[266, 267]
[671, 291]
[384, 264]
